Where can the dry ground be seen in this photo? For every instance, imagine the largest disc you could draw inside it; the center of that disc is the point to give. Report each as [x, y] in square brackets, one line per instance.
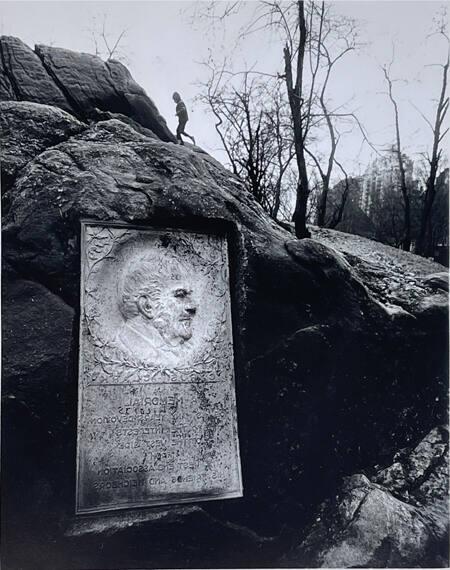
[393, 276]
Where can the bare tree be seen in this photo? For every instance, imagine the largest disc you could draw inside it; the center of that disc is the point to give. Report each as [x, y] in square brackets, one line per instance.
[106, 45]
[314, 41]
[425, 233]
[282, 153]
[440, 215]
[295, 90]
[330, 40]
[338, 212]
[290, 19]
[406, 238]
[253, 126]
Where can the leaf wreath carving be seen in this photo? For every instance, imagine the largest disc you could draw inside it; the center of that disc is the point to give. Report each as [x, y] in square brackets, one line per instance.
[100, 243]
[110, 364]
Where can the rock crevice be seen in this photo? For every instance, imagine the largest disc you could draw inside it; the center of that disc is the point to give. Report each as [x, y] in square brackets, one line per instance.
[75, 108]
[9, 85]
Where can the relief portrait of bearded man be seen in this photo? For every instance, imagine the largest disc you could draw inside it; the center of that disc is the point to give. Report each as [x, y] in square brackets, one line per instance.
[156, 301]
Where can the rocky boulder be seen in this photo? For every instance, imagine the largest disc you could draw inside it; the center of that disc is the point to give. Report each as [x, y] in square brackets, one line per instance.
[24, 78]
[316, 351]
[397, 518]
[79, 83]
[28, 129]
[438, 280]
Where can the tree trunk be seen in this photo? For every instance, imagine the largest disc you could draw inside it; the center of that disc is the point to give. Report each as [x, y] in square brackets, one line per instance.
[277, 201]
[339, 213]
[406, 240]
[295, 103]
[423, 242]
[322, 208]
[301, 231]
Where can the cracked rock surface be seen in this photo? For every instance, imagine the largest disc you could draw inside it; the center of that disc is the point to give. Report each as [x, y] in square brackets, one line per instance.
[24, 78]
[27, 130]
[79, 83]
[328, 383]
[396, 518]
[395, 278]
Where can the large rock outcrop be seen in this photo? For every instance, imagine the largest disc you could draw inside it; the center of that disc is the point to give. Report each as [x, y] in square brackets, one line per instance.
[328, 381]
[79, 83]
[24, 78]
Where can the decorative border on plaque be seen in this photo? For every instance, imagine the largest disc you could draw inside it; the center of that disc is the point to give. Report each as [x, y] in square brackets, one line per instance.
[157, 418]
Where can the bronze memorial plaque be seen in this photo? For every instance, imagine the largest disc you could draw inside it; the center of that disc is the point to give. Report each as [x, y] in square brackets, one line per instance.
[156, 403]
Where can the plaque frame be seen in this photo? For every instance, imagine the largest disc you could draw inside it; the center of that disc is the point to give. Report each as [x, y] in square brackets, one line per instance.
[215, 227]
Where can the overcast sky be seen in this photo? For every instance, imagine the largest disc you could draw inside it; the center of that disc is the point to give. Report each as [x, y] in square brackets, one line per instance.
[166, 41]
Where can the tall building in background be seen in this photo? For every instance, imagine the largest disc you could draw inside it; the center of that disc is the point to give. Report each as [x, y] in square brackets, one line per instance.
[382, 179]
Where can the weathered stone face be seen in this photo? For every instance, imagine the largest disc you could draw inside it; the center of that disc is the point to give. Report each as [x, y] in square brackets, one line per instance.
[24, 77]
[90, 83]
[328, 381]
[28, 129]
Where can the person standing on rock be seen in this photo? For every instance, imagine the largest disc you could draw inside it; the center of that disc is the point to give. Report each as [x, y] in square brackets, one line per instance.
[183, 118]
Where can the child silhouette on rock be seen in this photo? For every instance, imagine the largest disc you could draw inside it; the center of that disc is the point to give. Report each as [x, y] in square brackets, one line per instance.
[183, 118]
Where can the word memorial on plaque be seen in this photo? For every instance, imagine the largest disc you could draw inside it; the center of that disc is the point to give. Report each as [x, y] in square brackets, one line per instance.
[156, 405]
